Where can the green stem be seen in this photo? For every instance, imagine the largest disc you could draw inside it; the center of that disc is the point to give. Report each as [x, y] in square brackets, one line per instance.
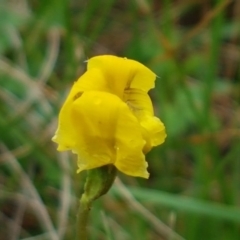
[98, 182]
[82, 218]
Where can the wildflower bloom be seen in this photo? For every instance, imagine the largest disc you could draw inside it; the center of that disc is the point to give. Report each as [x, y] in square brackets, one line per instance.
[108, 116]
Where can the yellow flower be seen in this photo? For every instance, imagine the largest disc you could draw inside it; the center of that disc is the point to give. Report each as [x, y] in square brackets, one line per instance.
[108, 116]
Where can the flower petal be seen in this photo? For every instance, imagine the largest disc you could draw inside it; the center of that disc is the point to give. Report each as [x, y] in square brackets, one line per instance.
[129, 145]
[108, 117]
[153, 129]
[65, 135]
[91, 80]
[122, 73]
[107, 133]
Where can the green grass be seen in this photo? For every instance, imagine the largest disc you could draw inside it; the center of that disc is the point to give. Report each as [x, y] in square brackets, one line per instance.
[193, 47]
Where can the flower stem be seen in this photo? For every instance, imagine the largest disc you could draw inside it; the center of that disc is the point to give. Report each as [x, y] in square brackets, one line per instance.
[82, 218]
[98, 182]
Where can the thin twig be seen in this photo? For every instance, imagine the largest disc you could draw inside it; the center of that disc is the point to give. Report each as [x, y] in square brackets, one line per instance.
[10, 224]
[204, 22]
[119, 232]
[42, 213]
[16, 229]
[159, 226]
[65, 195]
[36, 90]
[54, 36]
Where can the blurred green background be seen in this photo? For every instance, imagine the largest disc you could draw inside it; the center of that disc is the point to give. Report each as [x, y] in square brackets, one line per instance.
[194, 48]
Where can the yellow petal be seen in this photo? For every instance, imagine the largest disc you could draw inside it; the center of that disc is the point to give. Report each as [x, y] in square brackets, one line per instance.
[107, 133]
[122, 73]
[114, 75]
[65, 135]
[93, 80]
[153, 129]
[90, 80]
[94, 122]
[129, 145]
[108, 117]
[138, 101]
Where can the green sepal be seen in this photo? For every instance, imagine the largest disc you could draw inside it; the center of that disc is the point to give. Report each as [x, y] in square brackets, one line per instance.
[98, 182]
